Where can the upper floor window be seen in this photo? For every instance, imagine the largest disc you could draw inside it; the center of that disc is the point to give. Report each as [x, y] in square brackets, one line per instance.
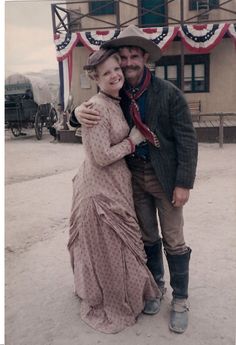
[203, 4]
[99, 8]
[152, 12]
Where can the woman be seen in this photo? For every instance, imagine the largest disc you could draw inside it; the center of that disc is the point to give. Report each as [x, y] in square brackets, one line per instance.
[105, 244]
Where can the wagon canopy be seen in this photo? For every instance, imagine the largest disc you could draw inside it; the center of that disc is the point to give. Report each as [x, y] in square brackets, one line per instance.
[19, 83]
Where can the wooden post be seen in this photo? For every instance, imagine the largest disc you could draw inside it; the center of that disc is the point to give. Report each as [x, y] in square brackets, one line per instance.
[221, 130]
[53, 18]
[181, 48]
[117, 11]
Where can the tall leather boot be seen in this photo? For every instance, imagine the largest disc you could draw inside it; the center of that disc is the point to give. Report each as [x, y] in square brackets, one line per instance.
[156, 267]
[179, 278]
[155, 263]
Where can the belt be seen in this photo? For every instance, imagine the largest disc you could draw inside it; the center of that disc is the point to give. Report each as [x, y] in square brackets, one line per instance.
[134, 157]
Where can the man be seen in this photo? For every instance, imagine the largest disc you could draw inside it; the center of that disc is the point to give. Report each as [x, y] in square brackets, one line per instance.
[163, 167]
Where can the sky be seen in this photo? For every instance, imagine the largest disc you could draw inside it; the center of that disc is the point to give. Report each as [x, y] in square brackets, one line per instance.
[29, 43]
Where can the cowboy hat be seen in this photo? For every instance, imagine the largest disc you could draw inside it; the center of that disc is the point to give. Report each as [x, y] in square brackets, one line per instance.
[134, 37]
[98, 57]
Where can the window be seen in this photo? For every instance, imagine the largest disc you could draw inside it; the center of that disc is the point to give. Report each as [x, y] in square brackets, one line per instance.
[194, 78]
[99, 8]
[168, 68]
[196, 72]
[152, 67]
[203, 4]
[157, 14]
[168, 72]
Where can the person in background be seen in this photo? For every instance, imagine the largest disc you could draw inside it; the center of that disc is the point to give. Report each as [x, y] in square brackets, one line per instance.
[107, 253]
[58, 125]
[28, 94]
[163, 167]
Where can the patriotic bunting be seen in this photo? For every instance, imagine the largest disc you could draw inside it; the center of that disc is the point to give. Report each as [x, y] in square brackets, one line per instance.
[93, 39]
[202, 38]
[196, 38]
[65, 75]
[162, 36]
[64, 44]
[232, 31]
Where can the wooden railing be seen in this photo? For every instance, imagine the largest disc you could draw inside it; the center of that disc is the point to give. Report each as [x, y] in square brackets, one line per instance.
[221, 122]
[195, 109]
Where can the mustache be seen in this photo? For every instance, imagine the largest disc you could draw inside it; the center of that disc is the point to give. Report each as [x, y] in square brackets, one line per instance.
[131, 68]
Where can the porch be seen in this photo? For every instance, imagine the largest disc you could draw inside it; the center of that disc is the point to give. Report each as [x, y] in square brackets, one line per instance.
[209, 130]
[216, 127]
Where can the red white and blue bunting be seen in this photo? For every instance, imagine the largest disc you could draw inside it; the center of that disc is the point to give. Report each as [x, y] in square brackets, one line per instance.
[196, 38]
[202, 38]
[64, 48]
[162, 36]
[232, 31]
[93, 39]
[65, 43]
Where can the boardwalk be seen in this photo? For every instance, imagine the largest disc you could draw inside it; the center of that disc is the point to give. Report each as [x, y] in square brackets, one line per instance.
[216, 127]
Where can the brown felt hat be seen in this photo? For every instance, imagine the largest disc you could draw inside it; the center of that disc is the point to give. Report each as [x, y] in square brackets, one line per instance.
[98, 57]
[132, 36]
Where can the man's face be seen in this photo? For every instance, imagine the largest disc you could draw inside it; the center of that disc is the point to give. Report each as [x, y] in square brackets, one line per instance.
[132, 63]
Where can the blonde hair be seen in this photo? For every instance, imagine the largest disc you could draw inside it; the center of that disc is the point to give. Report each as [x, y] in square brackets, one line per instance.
[92, 73]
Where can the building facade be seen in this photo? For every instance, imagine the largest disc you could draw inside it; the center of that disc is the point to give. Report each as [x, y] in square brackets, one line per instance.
[197, 39]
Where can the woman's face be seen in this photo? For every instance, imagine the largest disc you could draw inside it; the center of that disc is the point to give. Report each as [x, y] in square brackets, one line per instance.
[110, 78]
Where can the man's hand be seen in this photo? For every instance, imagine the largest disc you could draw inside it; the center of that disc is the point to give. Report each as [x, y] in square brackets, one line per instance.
[180, 196]
[87, 116]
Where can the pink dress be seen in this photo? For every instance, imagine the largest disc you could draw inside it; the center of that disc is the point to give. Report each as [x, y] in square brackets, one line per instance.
[105, 245]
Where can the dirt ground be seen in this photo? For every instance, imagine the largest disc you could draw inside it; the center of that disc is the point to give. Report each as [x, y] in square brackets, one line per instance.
[41, 308]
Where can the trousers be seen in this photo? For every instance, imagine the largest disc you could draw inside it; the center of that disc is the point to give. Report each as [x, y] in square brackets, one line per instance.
[156, 215]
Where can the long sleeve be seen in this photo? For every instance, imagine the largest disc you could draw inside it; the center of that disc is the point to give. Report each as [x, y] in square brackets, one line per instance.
[73, 120]
[186, 142]
[98, 141]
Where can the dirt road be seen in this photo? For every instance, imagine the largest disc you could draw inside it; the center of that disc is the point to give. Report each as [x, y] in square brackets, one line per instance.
[41, 308]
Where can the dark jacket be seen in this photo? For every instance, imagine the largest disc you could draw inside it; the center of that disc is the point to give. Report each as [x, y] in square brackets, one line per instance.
[168, 116]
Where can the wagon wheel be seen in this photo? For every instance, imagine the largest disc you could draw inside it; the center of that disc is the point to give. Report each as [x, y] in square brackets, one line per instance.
[16, 131]
[53, 117]
[38, 125]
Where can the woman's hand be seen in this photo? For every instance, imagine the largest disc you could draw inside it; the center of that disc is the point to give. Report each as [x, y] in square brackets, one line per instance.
[86, 115]
[135, 136]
